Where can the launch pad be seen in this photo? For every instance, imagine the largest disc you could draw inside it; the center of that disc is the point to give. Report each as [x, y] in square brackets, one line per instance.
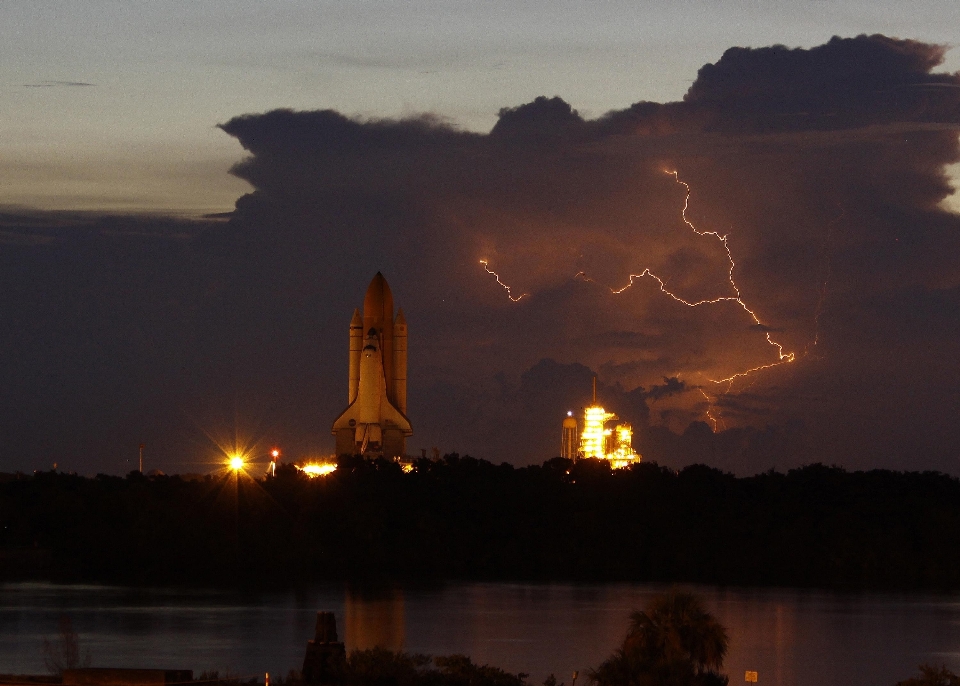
[596, 440]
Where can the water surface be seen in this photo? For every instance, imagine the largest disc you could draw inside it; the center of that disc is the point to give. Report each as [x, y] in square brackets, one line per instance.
[791, 637]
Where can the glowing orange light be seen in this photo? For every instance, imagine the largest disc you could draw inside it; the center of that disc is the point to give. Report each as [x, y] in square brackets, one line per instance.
[313, 469]
[275, 453]
[236, 462]
[505, 286]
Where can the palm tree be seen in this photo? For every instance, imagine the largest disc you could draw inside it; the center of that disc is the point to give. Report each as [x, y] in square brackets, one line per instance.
[673, 642]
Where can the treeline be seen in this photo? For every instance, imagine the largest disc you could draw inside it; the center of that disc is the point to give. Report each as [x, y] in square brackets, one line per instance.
[462, 518]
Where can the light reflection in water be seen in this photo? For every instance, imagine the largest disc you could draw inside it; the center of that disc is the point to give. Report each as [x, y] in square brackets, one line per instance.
[373, 619]
[790, 637]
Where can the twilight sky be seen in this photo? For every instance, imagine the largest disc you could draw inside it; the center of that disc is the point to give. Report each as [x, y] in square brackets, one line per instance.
[413, 139]
[163, 73]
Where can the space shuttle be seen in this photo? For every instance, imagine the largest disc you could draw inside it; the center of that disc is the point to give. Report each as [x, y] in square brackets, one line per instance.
[375, 422]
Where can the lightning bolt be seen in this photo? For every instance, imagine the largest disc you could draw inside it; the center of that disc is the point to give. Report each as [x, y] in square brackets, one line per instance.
[782, 356]
[505, 286]
[709, 412]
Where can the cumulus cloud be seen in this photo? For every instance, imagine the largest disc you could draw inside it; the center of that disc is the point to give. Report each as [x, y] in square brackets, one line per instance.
[823, 168]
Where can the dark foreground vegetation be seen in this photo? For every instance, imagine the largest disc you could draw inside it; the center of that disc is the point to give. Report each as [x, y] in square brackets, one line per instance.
[673, 641]
[372, 667]
[381, 667]
[469, 519]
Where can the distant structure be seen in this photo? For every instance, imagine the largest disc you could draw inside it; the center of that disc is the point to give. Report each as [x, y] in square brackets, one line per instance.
[375, 422]
[326, 657]
[596, 440]
[570, 442]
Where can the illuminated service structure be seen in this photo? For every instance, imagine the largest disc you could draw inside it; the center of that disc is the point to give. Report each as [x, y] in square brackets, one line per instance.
[375, 422]
[596, 440]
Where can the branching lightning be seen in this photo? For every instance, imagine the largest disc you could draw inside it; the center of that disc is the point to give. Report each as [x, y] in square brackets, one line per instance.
[505, 286]
[783, 357]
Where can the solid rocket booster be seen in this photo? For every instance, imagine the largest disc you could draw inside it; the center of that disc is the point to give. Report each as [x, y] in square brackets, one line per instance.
[356, 345]
[375, 421]
[400, 362]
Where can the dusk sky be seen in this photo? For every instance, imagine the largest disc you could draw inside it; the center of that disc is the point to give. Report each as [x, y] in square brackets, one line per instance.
[162, 74]
[418, 139]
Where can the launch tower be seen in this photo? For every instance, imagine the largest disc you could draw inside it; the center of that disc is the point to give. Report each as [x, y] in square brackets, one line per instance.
[596, 440]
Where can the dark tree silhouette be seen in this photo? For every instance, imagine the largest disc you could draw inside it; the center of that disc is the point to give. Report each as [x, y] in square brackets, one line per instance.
[464, 518]
[382, 667]
[673, 642]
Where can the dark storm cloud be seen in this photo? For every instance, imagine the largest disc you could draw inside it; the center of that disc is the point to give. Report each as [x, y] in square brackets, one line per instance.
[107, 328]
[824, 168]
[845, 83]
[669, 387]
[621, 339]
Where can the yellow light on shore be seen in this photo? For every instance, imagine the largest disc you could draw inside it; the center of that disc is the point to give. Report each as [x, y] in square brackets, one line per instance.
[313, 470]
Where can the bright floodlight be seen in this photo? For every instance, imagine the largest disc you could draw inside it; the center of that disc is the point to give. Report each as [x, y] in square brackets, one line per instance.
[236, 463]
[275, 453]
[314, 470]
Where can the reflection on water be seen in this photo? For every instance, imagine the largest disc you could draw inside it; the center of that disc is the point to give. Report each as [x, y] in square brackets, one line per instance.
[373, 620]
[790, 637]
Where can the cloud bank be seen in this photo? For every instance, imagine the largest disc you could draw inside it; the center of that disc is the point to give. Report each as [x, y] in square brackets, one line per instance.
[821, 171]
